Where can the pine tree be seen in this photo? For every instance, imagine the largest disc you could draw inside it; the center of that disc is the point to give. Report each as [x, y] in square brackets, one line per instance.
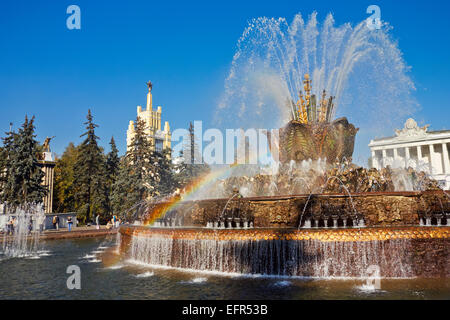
[137, 173]
[112, 170]
[3, 159]
[112, 162]
[5, 162]
[186, 173]
[189, 166]
[181, 170]
[123, 196]
[167, 182]
[100, 203]
[89, 175]
[64, 192]
[23, 176]
[139, 153]
[28, 150]
[141, 162]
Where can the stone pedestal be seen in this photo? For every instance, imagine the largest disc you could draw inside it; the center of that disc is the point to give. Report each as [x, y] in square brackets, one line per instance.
[48, 166]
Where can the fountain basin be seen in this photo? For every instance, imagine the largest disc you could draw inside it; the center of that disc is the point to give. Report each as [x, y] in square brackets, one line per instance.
[400, 252]
[375, 209]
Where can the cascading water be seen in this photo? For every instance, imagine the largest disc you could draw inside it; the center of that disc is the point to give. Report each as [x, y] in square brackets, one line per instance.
[306, 258]
[21, 238]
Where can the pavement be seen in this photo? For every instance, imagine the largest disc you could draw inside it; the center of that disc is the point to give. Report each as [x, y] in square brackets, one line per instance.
[78, 232]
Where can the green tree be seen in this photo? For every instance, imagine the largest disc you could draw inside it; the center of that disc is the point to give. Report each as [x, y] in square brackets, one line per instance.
[186, 173]
[5, 161]
[63, 190]
[100, 203]
[189, 165]
[89, 175]
[137, 174]
[143, 173]
[123, 195]
[141, 162]
[167, 182]
[23, 176]
[112, 170]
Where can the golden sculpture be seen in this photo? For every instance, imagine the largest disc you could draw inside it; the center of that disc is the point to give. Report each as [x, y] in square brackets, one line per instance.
[307, 110]
[301, 109]
[312, 134]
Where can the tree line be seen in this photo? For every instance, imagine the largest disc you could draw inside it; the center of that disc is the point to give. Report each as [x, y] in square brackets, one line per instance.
[20, 173]
[88, 180]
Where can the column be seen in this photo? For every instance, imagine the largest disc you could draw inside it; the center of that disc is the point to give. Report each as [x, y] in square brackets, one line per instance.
[446, 159]
[384, 158]
[419, 156]
[395, 157]
[431, 158]
[374, 160]
[407, 156]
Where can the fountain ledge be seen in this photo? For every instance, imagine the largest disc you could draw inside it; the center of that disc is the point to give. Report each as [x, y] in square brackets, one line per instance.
[350, 234]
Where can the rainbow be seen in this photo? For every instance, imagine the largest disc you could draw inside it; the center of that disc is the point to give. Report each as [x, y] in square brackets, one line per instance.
[162, 208]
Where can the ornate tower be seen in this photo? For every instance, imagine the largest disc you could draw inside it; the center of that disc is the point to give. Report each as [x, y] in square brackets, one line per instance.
[159, 137]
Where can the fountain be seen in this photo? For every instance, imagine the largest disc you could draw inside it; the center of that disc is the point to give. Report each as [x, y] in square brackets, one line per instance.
[317, 215]
[348, 219]
[22, 231]
[311, 134]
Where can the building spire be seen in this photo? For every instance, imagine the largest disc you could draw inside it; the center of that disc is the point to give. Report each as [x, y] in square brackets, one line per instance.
[149, 96]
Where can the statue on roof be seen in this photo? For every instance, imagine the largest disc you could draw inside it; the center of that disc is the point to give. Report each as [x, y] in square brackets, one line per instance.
[150, 86]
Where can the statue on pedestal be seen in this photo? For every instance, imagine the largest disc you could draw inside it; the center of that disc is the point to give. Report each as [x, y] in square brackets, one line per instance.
[46, 148]
[47, 165]
[46, 145]
[150, 86]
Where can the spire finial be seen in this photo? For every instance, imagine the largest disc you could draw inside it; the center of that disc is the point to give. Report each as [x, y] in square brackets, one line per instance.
[150, 86]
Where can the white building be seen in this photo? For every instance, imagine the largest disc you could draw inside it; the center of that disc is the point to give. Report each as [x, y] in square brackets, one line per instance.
[417, 148]
[159, 139]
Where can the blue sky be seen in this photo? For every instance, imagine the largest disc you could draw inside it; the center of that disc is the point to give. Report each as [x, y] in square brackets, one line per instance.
[185, 48]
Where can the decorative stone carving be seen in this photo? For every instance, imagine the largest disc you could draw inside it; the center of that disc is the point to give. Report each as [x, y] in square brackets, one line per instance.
[411, 129]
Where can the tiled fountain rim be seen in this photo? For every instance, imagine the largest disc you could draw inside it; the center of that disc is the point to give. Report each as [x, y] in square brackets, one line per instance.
[342, 234]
